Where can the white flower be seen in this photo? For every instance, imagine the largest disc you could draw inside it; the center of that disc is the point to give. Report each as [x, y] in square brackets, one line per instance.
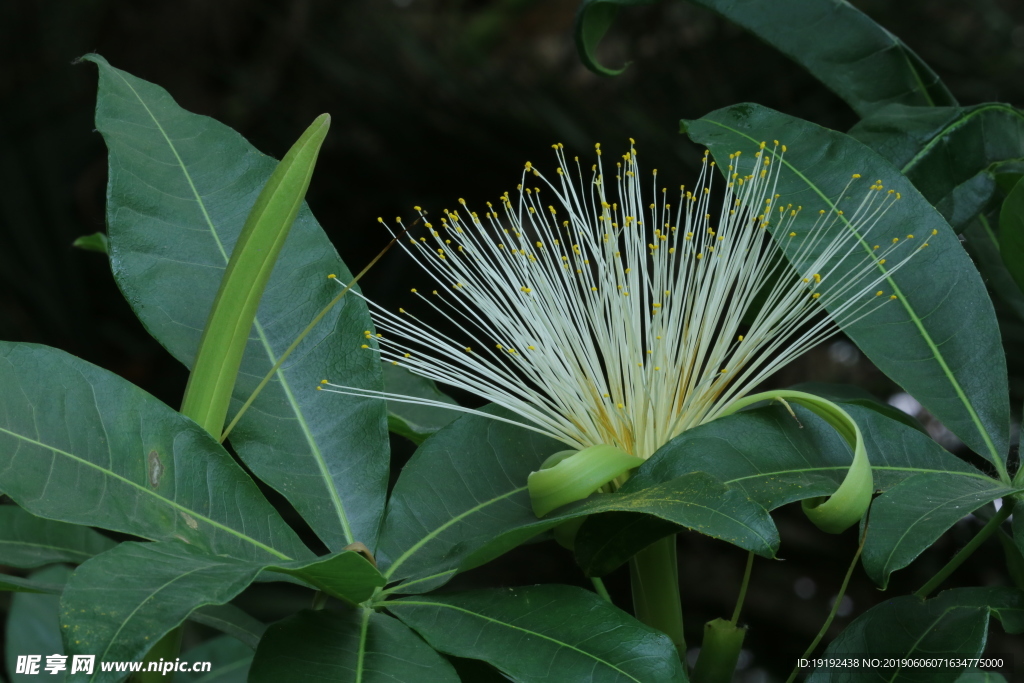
[601, 313]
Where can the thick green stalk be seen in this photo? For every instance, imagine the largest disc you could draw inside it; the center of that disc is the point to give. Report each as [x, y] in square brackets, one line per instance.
[654, 573]
[719, 652]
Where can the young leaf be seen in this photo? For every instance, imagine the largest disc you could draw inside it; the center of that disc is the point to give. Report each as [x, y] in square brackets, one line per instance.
[79, 444]
[841, 46]
[939, 339]
[361, 646]
[253, 258]
[174, 212]
[951, 154]
[528, 633]
[28, 541]
[16, 584]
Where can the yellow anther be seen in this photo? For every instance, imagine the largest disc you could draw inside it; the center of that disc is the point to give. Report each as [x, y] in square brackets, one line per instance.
[740, 338]
[380, 219]
[815, 295]
[525, 290]
[817, 277]
[910, 237]
[892, 297]
[413, 290]
[856, 175]
[407, 355]
[332, 276]
[879, 293]
[881, 261]
[895, 240]
[323, 381]
[365, 346]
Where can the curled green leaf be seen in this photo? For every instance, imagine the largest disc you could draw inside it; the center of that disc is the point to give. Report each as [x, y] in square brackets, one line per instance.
[845, 507]
[574, 477]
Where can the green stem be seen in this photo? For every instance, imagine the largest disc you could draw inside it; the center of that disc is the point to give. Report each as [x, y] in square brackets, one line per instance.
[654, 574]
[743, 589]
[835, 606]
[967, 550]
[600, 589]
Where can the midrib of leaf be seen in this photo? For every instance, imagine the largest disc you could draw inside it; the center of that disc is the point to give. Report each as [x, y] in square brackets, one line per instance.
[424, 603]
[937, 138]
[925, 513]
[167, 501]
[433, 534]
[996, 459]
[336, 501]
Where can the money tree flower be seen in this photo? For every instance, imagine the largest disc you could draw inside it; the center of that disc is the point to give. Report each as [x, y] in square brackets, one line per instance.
[600, 311]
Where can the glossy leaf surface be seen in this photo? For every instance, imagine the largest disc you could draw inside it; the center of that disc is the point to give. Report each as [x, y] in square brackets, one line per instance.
[358, 646]
[951, 154]
[467, 503]
[533, 633]
[180, 188]
[100, 451]
[775, 460]
[953, 624]
[939, 339]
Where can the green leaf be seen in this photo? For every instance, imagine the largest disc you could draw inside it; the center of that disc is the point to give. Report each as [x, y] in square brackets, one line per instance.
[983, 246]
[951, 154]
[1011, 233]
[212, 380]
[854, 395]
[462, 486]
[953, 624]
[16, 584]
[79, 444]
[462, 501]
[33, 626]
[360, 646]
[28, 541]
[94, 242]
[414, 421]
[866, 65]
[774, 459]
[119, 603]
[528, 633]
[939, 340]
[174, 212]
[232, 621]
[229, 662]
[915, 513]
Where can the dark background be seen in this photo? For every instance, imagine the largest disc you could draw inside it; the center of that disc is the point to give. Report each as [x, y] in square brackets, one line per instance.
[433, 100]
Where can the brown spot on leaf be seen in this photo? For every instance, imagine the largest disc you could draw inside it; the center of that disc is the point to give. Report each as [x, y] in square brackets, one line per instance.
[156, 469]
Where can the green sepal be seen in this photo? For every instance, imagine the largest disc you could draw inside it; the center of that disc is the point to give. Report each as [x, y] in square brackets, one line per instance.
[845, 507]
[208, 393]
[576, 476]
